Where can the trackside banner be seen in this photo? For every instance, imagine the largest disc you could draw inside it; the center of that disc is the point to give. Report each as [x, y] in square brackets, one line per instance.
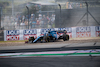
[73, 32]
[69, 31]
[12, 35]
[97, 31]
[29, 33]
[83, 32]
[43, 31]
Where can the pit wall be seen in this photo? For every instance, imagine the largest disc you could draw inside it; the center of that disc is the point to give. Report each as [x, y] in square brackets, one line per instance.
[74, 32]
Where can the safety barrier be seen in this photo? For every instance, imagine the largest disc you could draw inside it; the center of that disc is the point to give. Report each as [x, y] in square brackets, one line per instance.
[1, 35]
[74, 32]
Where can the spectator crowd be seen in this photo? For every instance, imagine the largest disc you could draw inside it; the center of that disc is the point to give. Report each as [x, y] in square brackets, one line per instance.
[42, 21]
[21, 21]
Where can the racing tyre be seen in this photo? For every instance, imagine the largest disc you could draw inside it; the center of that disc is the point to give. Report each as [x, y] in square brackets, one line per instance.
[31, 39]
[45, 39]
[65, 37]
[54, 39]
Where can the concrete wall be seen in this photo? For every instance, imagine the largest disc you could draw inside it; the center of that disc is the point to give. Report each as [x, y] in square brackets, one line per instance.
[73, 32]
[1, 35]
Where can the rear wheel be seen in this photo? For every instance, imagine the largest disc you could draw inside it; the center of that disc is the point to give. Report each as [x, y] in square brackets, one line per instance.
[65, 37]
[54, 39]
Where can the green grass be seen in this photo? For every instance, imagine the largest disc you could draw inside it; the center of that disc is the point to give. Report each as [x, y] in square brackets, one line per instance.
[12, 41]
[84, 38]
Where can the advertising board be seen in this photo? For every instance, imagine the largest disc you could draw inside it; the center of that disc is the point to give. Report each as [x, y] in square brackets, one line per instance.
[97, 29]
[43, 31]
[73, 32]
[12, 35]
[83, 32]
[29, 33]
[69, 31]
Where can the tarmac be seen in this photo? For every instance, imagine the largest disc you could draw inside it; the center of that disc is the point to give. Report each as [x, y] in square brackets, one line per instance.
[78, 42]
[50, 45]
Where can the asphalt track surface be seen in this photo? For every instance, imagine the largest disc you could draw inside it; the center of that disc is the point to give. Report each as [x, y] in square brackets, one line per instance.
[49, 49]
[65, 61]
[55, 46]
[51, 61]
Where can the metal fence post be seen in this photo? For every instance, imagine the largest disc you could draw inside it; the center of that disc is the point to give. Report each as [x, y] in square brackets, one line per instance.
[28, 16]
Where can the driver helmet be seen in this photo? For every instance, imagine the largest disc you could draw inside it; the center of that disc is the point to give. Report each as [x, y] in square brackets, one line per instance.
[49, 31]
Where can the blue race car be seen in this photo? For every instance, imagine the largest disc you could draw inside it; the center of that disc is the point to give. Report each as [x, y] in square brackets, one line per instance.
[50, 36]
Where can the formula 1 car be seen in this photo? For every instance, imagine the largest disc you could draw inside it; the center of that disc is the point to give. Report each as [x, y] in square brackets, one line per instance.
[50, 36]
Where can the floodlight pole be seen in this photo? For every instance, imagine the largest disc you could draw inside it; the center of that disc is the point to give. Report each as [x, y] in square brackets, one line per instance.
[13, 8]
[60, 9]
[28, 16]
[0, 16]
[87, 12]
[60, 14]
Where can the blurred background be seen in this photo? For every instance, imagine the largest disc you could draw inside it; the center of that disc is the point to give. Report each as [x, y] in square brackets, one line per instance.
[34, 14]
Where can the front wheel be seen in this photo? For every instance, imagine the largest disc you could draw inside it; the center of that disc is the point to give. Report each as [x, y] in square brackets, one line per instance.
[65, 37]
[31, 39]
[54, 39]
